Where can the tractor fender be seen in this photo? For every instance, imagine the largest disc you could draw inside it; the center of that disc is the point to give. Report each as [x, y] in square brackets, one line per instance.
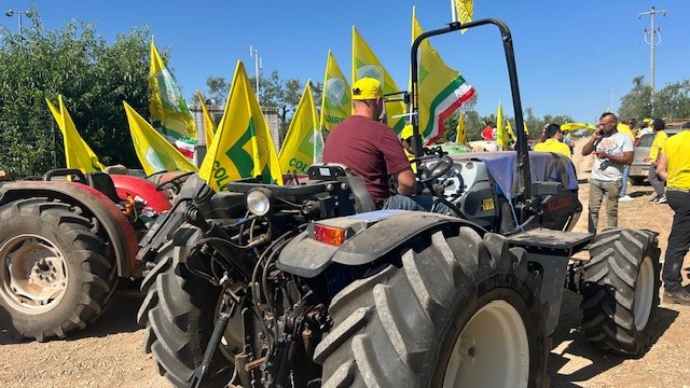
[306, 257]
[120, 232]
[127, 185]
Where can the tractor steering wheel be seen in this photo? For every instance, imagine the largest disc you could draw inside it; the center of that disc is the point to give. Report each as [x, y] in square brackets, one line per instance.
[439, 169]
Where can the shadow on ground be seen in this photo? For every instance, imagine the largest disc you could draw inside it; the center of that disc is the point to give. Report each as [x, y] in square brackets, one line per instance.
[573, 360]
[119, 317]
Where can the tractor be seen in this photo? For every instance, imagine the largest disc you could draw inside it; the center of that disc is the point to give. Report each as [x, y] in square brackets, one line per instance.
[310, 285]
[66, 239]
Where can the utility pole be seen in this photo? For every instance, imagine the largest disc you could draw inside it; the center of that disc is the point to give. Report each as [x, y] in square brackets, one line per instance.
[11, 12]
[258, 65]
[652, 36]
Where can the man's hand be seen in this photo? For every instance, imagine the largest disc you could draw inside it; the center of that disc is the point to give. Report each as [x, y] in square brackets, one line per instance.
[406, 182]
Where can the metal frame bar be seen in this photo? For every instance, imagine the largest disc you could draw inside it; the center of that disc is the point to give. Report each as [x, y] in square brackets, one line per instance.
[521, 146]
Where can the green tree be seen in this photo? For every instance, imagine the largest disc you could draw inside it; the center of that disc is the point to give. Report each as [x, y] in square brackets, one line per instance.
[93, 76]
[637, 104]
[673, 101]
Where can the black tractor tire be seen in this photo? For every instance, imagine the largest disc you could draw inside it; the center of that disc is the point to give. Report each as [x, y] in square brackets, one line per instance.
[178, 313]
[610, 280]
[88, 261]
[398, 328]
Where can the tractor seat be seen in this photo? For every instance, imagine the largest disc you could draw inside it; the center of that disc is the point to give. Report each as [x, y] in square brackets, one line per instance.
[328, 171]
[103, 183]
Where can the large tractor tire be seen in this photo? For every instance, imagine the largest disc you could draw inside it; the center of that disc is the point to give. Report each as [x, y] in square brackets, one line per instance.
[459, 311]
[56, 274]
[621, 291]
[178, 313]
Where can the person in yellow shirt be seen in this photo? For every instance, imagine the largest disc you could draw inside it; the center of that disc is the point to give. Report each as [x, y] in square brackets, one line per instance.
[660, 138]
[552, 141]
[674, 167]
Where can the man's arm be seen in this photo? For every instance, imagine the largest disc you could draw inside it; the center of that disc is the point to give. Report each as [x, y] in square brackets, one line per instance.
[588, 148]
[625, 158]
[406, 182]
[662, 166]
[397, 164]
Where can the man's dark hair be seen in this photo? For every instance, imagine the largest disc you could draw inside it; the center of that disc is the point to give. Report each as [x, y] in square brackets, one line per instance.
[658, 124]
[551, 130]
[608, 114]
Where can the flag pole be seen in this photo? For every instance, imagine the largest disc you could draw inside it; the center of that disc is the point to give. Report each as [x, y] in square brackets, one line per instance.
[453, 11]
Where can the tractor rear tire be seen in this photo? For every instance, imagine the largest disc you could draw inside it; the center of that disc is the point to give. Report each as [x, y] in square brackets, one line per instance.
[56, 273]
[458, 310]
[621, 291]
[178, 313]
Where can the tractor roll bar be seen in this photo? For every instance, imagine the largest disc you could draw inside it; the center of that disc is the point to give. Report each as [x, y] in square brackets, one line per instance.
[521, 146]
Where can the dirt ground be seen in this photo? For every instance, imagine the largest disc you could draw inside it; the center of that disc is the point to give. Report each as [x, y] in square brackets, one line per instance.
[110, 354]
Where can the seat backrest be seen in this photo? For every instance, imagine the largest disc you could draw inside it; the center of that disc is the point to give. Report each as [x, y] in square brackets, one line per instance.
[363, 201]
[103, 183]
[333, 171]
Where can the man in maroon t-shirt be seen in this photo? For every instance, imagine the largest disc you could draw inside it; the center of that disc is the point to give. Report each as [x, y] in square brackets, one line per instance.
[372, 150]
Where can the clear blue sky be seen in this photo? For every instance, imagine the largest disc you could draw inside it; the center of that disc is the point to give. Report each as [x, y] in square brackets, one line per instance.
[573, 56]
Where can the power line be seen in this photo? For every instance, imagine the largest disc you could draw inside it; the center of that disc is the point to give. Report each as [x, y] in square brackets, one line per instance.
[652, 36]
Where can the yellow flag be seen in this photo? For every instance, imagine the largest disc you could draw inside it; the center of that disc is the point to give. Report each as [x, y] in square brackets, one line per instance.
[440, 89]
[575, 126]
[209, 125]
[242, 146]
[336, 101]
[303, 142]
[155, 153]
[511, 133]
[366, 64]
[464, 11]
[166, 103]
[78, 154]
[501, 131]
[460, 134]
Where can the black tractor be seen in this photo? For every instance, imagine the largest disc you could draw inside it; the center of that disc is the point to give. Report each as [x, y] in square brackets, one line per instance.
[310, 285]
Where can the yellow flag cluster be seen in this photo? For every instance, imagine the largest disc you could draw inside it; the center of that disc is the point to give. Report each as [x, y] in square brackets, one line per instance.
[166, 103]
[366, 64]
[336, 101]
[303, 142]
[154, 151]
[242, 146]
[78, 154]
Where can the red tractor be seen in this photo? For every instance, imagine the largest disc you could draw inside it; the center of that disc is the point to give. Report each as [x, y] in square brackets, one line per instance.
[65, 241]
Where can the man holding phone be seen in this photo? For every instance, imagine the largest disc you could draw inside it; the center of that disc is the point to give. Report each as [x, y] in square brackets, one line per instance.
[612, 151]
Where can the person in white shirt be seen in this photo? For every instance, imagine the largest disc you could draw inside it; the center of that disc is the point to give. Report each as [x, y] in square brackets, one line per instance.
[612, 151]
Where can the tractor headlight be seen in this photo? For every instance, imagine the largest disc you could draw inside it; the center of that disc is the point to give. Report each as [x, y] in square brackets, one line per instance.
[258, 202]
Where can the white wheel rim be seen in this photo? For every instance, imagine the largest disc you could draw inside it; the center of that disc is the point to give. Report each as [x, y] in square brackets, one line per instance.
[33, 274]
[644, 294]
[491, 351]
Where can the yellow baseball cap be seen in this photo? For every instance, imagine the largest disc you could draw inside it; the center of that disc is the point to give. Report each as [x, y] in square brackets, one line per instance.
[366, 89]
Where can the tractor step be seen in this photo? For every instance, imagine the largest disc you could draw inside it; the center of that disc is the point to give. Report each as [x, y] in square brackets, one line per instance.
[551, 241]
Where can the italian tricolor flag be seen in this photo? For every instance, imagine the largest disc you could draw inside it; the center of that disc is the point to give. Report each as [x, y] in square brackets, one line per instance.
[441, 90]
[445, 103]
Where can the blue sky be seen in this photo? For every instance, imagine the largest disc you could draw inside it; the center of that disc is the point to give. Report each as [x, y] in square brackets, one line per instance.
[574, 57]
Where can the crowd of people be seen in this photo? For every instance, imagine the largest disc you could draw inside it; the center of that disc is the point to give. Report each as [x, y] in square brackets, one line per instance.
[612, 146]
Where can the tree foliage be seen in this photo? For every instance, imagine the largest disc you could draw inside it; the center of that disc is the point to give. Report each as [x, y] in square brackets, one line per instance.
[671, 102]
[93, 76]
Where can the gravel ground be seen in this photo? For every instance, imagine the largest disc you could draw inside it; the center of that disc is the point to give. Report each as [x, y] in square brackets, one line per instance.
[110, 354]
